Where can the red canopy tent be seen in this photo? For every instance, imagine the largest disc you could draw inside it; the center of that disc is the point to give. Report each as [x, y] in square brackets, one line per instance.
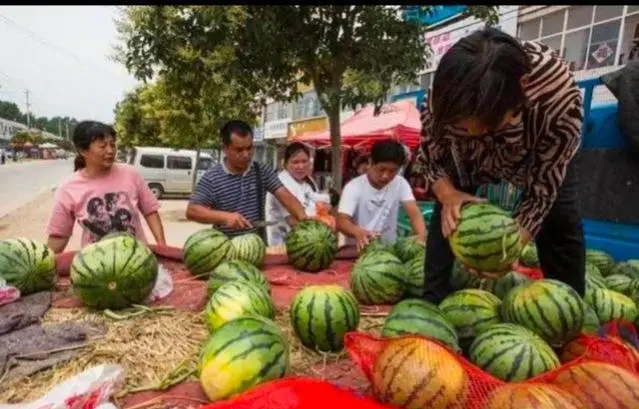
[399, 120]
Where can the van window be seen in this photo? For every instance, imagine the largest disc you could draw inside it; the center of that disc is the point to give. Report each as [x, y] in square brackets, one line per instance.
[204, 164]
[178, 162]
[152, 161]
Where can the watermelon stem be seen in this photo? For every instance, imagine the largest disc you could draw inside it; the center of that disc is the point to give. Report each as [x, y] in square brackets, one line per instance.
[178, 375]
[136, 311]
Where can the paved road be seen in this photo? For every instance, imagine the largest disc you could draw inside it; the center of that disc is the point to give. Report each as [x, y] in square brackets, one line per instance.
[22, 182]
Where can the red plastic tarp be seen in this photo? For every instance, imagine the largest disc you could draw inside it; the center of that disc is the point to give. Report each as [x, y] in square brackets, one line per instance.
[399, 120]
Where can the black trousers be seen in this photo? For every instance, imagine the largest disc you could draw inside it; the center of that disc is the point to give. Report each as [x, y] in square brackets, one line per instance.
[560, 244]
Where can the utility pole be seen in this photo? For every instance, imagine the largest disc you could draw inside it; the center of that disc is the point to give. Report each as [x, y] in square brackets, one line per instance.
[28, 110]
[66, 124]
[60, 127]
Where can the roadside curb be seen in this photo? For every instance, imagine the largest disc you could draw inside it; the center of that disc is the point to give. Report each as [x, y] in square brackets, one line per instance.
[40, 192]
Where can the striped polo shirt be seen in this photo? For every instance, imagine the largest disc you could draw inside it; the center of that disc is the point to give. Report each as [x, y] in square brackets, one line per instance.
[533, 151]
[222, 190]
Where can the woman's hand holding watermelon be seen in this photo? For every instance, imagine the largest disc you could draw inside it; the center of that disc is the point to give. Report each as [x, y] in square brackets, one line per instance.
[452, 202]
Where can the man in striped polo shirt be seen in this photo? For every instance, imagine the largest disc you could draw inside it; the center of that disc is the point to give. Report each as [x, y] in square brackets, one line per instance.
[231, 195]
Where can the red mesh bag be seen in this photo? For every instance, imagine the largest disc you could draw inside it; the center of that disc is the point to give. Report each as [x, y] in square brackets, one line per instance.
[530, 272]
[298, 393]
[615, 344]
[417, 372]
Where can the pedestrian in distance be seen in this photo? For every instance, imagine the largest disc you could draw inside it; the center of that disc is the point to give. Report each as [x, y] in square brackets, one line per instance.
[501, 110]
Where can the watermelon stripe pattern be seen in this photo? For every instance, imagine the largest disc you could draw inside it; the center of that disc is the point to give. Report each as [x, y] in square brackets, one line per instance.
[322, 315]
[611, 305]
[232, 270]
[504, 284]
[311, 245]
[235, 299]
[628, 268]
[114, 273]
[602, 260]
[377, 278]
[205, 250]
[549, 308]
[461, 279]
[531, 396]
[471, 311]
[420, 317]
[487, 238]
[408, 248]
[27, 265]
[619, 283]
[415, 277]
[512, 353]
[241, 354]
[248, 247]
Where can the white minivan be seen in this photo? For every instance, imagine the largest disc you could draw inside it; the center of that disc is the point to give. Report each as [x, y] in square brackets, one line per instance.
[167, 170]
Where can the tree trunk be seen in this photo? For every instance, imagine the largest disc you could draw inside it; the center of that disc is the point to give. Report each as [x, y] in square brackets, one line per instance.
[336, 143]
[195, 169]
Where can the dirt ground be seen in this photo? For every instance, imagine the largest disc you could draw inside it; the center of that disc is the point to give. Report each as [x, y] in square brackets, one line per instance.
[30, 221]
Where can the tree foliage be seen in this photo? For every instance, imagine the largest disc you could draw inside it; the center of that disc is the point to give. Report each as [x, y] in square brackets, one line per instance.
[351, 54]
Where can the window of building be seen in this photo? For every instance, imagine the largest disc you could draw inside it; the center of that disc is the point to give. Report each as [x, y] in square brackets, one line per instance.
[630, 40]
[152, 161]
[271, 112]
[586, 36]
[552, 23]
[282, 110]
[178, 162]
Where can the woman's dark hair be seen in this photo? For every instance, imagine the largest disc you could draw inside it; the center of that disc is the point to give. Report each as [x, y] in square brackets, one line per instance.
[388, 151]
[479, 77]
[85, 133]
[293, 148]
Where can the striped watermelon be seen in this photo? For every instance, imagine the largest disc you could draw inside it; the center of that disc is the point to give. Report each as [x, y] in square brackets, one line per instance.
[531, 395]
[247, 247]
[611, 305]
[236, 299]
[311, 245]
[114, 273]
[471, 311]
[591, 320]
[407, 248]
[375, 245]
[619, 283]
[232, 270]
[592, 269]
[27, 265]
[460, 278]
[241, 354]
[512, 353]
[116, 234]
[205, 250]
[415, 277]
[549, 308]
[529, 256]
[378, 278]
[600, 385]
[628, 268]
[422, 318]
[594, 281]
[414, 373]
[504, 284]
[321, 315]
[602, 260]
[487, 238]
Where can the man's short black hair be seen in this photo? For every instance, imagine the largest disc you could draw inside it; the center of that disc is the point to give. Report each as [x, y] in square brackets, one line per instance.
[235, 126]
[388, 151]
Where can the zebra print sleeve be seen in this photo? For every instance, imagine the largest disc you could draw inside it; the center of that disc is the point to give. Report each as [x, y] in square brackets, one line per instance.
[554, 151]
[428, 161]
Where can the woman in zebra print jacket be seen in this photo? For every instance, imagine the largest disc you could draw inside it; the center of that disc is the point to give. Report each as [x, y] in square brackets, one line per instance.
[501, 110]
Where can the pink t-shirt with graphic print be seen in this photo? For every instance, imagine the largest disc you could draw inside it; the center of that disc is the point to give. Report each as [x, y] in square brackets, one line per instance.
[114, 202]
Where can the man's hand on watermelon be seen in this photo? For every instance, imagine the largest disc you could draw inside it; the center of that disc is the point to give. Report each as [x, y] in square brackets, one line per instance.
[363, 237]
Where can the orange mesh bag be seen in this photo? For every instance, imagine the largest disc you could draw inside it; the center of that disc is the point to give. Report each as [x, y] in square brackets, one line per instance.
[596, 384]
[530, 395]
[415, 372]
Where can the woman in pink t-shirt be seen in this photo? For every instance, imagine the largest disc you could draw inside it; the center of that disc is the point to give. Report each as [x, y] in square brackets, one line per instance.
[101, 195]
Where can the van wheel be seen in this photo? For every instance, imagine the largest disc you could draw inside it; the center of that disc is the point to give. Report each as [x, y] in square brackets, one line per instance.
[156, 190]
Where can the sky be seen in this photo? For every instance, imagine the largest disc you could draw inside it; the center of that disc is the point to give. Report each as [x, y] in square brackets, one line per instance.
[61, 55]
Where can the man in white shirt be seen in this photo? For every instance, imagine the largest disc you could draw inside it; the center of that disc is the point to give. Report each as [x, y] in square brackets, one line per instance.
[369, 204]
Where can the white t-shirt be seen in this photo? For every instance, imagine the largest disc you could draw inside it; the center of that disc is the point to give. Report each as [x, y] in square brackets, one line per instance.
[304, 192]
[375, 210]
